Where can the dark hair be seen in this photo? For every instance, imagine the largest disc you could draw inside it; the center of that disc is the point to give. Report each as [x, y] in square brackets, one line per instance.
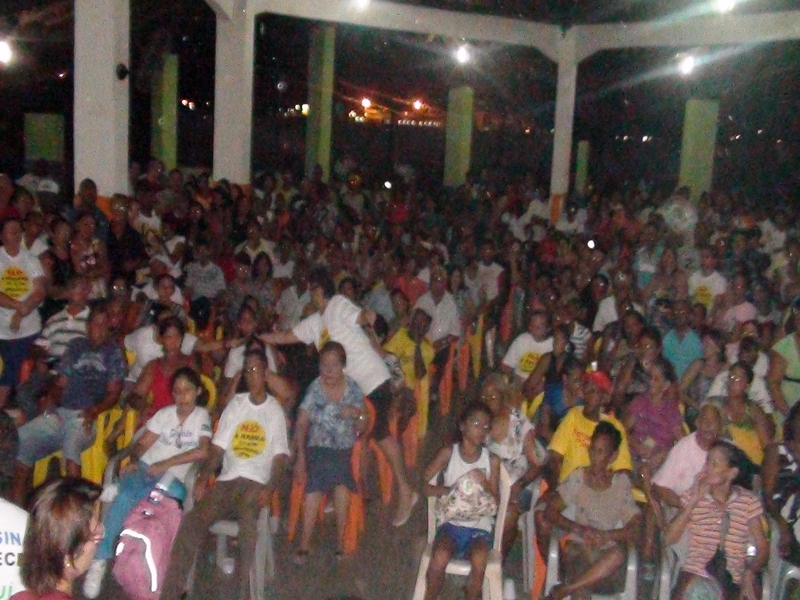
[336, 348]
[715, 335]
[98, 307]
[321, 278]
[748, 372]
[243, 258]
[666, 369]
[259, 354]
[59, 526]
[171, 323]
[607, 429]
[788, 435]
[737, 458]
[380, 326]
[194, 378]
[472, 408]
[161, 278]
[648, 332]
[261, 256]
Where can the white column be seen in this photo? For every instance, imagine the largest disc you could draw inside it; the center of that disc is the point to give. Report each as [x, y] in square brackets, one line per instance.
[102, 40]
[233, 95]
[565, 113]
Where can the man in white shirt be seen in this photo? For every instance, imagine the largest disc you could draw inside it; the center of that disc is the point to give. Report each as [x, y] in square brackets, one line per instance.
[251, 445]
[528, 348]
[440, 304]
[342, 321]
[707, 284]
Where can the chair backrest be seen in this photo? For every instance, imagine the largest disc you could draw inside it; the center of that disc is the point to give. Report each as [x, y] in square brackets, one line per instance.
[502, 508]
[211, 390]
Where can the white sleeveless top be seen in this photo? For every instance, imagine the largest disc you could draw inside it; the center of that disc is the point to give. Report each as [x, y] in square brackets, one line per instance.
[456, 467]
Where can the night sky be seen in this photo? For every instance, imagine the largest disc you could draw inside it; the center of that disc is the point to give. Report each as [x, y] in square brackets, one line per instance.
[634, 93]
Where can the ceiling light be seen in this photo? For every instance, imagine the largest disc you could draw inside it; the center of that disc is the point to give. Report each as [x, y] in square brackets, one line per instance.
[5, 52]
[462, 54]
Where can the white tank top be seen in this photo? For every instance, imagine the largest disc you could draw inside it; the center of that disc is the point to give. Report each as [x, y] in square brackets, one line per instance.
[457, 467]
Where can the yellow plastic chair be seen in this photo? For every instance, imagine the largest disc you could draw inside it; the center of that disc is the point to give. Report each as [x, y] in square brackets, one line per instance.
[211, 389]
[530, 407]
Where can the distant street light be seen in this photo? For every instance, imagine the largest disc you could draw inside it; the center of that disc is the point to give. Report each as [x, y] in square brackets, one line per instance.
[687, 65]
[362, 4]
[462, 54]
[417, 104]
[366, 102]
[5, 52]
[724, 6]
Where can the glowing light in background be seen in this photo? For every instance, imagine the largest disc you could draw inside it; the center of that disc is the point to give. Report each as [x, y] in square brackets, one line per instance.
[687, 65]
[724, 6]
[362, 4]
[462, 54]
[5, 52]
[417, 104]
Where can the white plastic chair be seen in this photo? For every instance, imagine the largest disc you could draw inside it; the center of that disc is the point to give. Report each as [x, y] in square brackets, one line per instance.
[493, 578]
[527, 528]
[779, 572]
[264, 560]
[629, 591]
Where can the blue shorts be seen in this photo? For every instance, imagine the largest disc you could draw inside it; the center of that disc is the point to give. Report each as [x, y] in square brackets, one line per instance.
[463, 537]
[59, 429]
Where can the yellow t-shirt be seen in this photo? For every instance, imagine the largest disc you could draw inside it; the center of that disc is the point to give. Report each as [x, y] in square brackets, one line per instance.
[573, 437]
[403, 347]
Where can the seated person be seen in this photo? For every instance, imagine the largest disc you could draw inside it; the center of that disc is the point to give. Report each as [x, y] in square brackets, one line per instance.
[604, 517]
[90, 380]
[560, 397]
[781, 485]
[330, 418]
[527, 349]
[653, 419]
[720, 510]
[461, 467]
[252, 448]
[513, 440]
[411, 346]
[69, 323]
[175, 437]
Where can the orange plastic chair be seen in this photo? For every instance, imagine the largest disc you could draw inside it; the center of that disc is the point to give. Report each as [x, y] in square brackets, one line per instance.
[446, 382]
[476, 346]
[463, 362]
[354, 525]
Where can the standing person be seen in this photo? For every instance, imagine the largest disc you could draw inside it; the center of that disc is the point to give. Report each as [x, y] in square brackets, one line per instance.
[340, 320]
[63, 532]
[22, 290]
[90, 378]
[331, 417]
[252, 448]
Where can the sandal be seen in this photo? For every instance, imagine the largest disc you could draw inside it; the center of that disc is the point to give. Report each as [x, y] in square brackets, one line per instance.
[300, 557]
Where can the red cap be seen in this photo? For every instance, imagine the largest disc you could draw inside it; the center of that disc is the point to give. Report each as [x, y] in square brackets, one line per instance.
[600, 379]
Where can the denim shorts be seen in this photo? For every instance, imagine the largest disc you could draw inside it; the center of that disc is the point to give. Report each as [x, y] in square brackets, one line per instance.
[59, 429]
[464, 537]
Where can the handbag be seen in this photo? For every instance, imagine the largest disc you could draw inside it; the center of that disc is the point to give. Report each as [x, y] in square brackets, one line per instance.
[717, 567]
[465, 501]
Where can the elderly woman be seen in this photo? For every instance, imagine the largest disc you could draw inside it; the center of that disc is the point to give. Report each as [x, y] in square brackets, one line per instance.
[513, 440]
[63, 532]
[331, 417]
[720, 512]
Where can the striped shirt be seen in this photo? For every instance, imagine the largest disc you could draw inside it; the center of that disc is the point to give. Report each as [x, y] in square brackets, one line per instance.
[62, 328]
[705, 526]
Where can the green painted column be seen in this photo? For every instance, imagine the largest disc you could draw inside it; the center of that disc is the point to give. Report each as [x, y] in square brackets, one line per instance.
[458, 135]
[164, 113]
[582, 167]
[697, 149]
[321, 56]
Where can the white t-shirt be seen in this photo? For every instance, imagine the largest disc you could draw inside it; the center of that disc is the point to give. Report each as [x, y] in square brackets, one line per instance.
[235, 361]
[290, 307]
[38, 246]
[13, 524]
[607, 313]
[757, 392]
[264, 246]
[684, 461]
[525, 352]
[488, 278]
[446, 320]
[144, 224]
[167, 426]
[149, 291]
[143, 343]
[339, 323]
[17, 275]
[252, 435]
[704, 289]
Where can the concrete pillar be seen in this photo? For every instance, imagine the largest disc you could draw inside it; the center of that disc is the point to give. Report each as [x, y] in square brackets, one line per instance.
[233, 95]
[164, 113]
[697, 148]
[565, 113]
[582, 167]
[458, 135]
[102, 40]
[321, 58]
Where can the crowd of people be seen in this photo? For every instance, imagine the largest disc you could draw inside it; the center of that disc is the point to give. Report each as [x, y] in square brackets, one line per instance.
[637, 352]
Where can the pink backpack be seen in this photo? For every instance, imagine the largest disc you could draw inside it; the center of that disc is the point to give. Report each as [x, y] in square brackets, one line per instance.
[144, 546]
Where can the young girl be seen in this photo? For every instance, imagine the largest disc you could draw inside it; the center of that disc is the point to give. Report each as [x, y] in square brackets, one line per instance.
[463, 465]
[175, 437]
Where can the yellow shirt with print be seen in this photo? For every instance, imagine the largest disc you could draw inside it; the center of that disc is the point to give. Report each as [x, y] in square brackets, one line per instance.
[573, 437]
[403, 347]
